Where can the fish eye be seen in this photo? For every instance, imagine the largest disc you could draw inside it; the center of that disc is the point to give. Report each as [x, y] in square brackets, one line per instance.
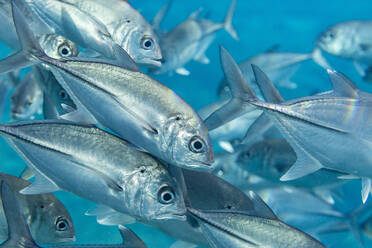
[28, 103]
[61, 224]
[147, 43]
[64, 50]
[197, 145]
[246, 155]
[166, 195]
[62, 94]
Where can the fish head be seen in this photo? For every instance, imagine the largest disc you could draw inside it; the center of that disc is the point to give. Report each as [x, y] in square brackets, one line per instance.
[187, 141]
[25, 100]
[336, 40]
[53, 223]
[153, 194]
[135, 35]
[58, 47]
[251, 158]
[60, 96]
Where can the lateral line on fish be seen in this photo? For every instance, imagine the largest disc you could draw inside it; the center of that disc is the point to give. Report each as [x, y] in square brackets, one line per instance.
[106, 177]
[224, 229]
[266, 107]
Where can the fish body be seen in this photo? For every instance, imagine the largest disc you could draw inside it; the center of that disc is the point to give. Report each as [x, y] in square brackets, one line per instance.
[350, 40]
[46, 217]
[226, 228]
[97, 166]
[189, 40]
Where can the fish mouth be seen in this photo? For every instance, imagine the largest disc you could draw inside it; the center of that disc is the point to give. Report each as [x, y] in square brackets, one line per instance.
[151, 62]
[181, 217]
[198, 165]
[18, 115]
[68, 239]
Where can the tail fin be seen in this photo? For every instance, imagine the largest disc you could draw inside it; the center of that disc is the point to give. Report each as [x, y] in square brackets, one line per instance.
[228, 21]
[240, 91]
[30, 46]
[17, 226]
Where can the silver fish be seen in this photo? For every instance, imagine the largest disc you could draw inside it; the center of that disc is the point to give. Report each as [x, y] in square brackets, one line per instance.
[20, 236]
[97, 166]
[350, 40]
[26, 99]
[324, 130]
[230, 229]
[271, 158]
[123, 99]
[206, 191]
[47, 218]
[189, 40]
[127, 26]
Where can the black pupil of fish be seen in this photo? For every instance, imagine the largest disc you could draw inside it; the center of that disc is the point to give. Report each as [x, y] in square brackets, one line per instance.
[65, 51]
[198, 145]
[61, 225]
[62, 94]
[148, 43]
[167, 197]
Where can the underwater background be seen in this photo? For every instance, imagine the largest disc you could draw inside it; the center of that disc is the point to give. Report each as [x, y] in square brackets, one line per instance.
[292, 24]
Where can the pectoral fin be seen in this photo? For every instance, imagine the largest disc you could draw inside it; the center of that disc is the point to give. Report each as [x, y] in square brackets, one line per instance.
[182, 71]
[110, 217]
[40, 186]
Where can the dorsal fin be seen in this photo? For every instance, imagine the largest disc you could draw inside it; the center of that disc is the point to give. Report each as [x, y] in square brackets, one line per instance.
[269, 92]
[130, 238]
[342, 85]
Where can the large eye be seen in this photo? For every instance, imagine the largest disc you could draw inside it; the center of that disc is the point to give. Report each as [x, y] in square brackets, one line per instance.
[64, 50]
[61, 224]
[197, 145]
[166, 195]
[147, 43]
[246, 155]
[62, 94]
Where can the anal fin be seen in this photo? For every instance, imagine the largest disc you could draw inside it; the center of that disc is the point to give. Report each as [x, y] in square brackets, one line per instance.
[40, 186]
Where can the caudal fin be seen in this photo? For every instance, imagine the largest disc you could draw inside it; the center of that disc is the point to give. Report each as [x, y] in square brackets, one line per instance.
[240, 91]
[228, 21]
[30, 48]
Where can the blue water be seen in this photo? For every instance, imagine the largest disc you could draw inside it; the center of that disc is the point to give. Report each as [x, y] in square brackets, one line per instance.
[293, 24]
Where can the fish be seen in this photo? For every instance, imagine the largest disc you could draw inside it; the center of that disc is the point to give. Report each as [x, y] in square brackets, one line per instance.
[206, 191]
[47, 219]
[127, 184]
[114, 22]
[26, 98]
[349, 40]
[189, 40]
[6, 87]
[128, 28]
[129, 103]
[271, 158]
[311, 125]
[228, 228]
[279, 66]
[20, 236]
